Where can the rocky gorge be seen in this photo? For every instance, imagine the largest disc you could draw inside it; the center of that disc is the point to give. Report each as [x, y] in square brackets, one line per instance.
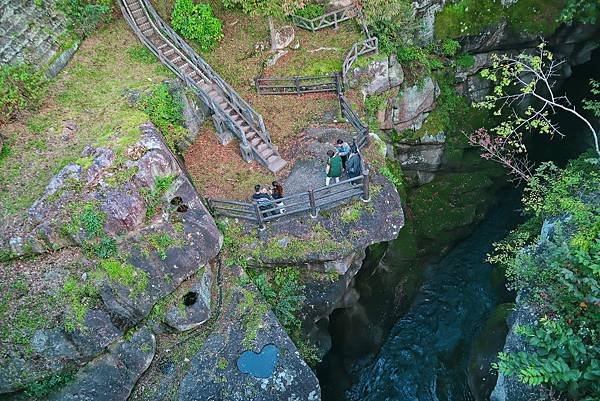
[138, 293]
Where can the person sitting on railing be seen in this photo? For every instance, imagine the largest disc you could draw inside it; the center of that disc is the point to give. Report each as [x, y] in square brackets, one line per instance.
[263, 199]
[353, 165]
[277, 193]
[343, 149]
[334, 167]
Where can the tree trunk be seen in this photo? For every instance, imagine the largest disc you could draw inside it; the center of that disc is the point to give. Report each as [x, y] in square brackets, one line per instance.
[272, 32]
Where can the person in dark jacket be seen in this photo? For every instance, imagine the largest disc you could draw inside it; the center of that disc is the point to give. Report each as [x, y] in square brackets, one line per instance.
[277, 193]
[263, 199]
[353, 164]
[343, 150]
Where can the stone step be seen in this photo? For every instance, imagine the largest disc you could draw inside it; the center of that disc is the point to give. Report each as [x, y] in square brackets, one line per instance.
[276, 163]
[266, 153]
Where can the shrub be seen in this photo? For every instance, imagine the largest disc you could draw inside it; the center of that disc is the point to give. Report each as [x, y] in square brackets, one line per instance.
[392, 21]
[465, 61]
[559, 276]
[450, 47]
[21, 87]
[311, 11]
[166, 112]
[198, 23]
[85, 15]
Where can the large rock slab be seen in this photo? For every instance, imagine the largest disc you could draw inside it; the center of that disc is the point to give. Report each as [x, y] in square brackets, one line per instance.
[119, 186]
[111, 377]
[380, 75]
[410, 108]
[217, 373]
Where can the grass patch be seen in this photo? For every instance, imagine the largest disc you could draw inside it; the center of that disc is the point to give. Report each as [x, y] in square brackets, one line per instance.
[80, 297]
[125, 274]
[154, 196]
[160, 243]
[141, 54]
[102, 114]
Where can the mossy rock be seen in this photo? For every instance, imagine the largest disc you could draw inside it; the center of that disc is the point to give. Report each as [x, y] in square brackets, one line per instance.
[457, 198]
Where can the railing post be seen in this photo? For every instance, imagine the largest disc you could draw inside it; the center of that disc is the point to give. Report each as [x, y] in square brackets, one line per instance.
[365, 187]
[313, 204]
[297, 82]
[259, 217]
[338, 85]
[257, 85]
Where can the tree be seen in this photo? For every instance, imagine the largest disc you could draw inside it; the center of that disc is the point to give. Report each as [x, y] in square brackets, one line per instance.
[523, 95]
[268, 8]
[392, 21]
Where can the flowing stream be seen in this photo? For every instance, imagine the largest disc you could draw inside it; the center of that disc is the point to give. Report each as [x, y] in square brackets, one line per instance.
[428, 331]
[427, 352]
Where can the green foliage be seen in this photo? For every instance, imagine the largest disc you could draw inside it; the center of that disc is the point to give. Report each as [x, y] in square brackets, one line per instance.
[450, 47]
[373, 103]
[160, 242]
[470, 17]
[561, 276]
[253, 312]
[392, 170]
[85, 15]
[392, 21]
[141, 54]
[196, 21]
[585, 11]
[283, 292]
[22, 87]
[592, 105]
[275, 8]
[41, 389]
[311, 11]
[465, 61]
[154, 197]
[166, 113]
[4, 152]
[80, 297]
[125, 274]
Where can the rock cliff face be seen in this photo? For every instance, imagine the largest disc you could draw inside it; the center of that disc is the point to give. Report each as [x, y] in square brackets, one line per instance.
[134, 227]
[34, 33]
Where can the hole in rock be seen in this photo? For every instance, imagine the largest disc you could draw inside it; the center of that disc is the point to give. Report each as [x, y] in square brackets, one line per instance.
[182, 208]
[176, 201]
[190, 298]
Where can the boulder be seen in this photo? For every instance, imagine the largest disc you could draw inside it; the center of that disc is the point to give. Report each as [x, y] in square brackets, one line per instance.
[421, 158]
[194, 307]
[220, 369]
[111, 376]
[410, 108]
[379, 76]
[284, 36]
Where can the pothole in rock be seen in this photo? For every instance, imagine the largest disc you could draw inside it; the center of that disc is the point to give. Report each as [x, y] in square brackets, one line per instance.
[190, 298]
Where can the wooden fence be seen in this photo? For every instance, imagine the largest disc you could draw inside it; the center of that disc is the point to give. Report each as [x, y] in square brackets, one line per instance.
[362, 131]
[311, 202]
[367, 46]
[326, 20]
[298, 85]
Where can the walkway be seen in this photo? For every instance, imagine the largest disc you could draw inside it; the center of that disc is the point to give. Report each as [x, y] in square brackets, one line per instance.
[231, 112]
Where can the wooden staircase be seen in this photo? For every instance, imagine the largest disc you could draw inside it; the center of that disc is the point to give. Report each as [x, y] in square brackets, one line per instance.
[228, 107]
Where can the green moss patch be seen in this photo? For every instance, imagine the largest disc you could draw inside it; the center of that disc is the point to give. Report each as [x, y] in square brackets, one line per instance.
[471, 17]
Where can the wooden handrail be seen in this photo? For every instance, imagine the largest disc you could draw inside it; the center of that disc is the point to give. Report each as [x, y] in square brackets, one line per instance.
[311, 201]
[324, 21]
[369, 45]
[296, 85]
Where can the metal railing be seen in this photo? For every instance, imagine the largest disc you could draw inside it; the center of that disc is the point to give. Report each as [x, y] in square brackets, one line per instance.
[332, 18]
[297, 85]
[367, 46]
[311, 201]
[362, 131]
[206, 73]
